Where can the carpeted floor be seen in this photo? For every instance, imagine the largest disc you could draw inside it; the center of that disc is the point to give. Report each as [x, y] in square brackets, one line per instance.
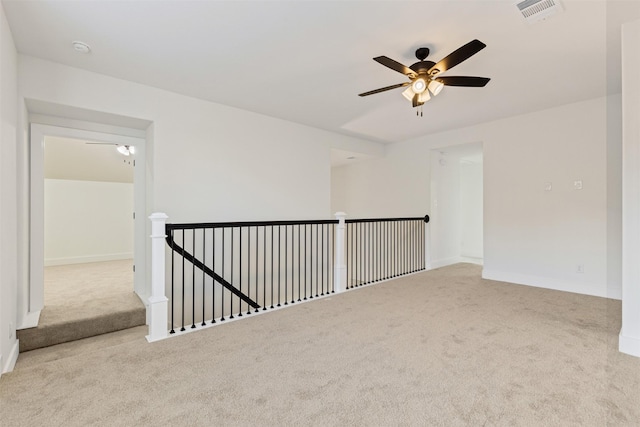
[442, 348]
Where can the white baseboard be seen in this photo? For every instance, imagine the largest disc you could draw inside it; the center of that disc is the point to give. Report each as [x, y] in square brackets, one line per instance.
[471, 260]
[614, 293]
[543, 282]
[629, 345]
[444, 262]
[12, 359]
[30, 320]
[87, 258]
[454, 260]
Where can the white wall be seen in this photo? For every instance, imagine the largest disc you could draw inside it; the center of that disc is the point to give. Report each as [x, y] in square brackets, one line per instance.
[9, 197]
[630, 332]
[530, 236]
[370, 188]
[210, 162]
[87, 221]
[471, 209]
[445, 209]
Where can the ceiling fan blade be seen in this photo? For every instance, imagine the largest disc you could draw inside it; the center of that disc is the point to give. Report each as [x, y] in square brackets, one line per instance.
[383, 89]
[395, 66]
[461, 54]
[465, 81]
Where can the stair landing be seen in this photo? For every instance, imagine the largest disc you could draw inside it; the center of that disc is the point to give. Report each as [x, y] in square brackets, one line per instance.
[85, 300]
[60, 324]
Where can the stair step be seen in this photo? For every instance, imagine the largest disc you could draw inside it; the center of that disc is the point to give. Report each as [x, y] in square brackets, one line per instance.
[64, 323]
[80, 348]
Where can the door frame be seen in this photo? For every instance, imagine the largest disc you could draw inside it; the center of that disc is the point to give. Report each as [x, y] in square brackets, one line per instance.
[35, 289]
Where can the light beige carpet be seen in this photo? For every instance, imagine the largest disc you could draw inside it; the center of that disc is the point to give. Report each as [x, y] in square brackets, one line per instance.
[437, 348]
[83, 300]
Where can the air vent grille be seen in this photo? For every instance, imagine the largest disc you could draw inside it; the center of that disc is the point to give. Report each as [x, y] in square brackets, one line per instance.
[537, 10]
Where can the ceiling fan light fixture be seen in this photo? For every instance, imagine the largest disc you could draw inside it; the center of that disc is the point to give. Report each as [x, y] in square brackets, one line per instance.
[424, 97]
[435, 87]
[408, 93]
[123, 149]
[419, 85]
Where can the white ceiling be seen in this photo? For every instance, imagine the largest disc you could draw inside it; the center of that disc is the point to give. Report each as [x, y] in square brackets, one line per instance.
[306, 61]
[79, 160]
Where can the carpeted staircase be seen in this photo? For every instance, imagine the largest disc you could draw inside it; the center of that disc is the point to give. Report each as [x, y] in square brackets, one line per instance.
[70, 322]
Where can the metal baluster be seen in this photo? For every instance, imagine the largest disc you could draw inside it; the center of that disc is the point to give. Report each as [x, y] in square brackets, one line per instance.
[299, 264]
[222, 289]
[286, 265]
[204, 261]
[249, 266]
[173, 255]
[322, 258]
[256, 282]
[240, 274]
[293, 251]
[272, 265]
[279, 271]
[331, 259]
[233, 231]
[395, 249]
[213, 282]
[306, 273]
[264, 268]
[193, 280]
[347, 251]
[311, 263]
[317, 256]
[182, 328]
[367, 252]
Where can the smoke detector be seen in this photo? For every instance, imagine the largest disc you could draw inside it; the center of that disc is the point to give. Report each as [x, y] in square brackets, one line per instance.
[81, 47]
[534, 11]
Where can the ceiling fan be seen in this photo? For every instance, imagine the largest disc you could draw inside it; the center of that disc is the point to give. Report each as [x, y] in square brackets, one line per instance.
[125, 150]
[424, 79]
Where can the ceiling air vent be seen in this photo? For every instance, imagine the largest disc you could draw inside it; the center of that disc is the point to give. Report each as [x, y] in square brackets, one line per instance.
[537, 10]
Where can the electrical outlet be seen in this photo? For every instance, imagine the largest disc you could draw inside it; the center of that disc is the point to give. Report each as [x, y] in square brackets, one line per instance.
[577, 185]
[548, 186]
[580, 268]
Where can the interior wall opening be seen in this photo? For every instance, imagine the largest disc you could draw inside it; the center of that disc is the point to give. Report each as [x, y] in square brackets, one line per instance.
[457, 205]
[88, 221]
[83, 202]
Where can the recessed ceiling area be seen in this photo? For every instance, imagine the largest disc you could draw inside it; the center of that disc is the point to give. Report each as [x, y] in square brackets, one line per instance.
[306, 61]
[80, 160]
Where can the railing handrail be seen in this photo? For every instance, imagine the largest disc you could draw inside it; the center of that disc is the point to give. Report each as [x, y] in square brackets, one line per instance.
[416, 218]
[198, 225]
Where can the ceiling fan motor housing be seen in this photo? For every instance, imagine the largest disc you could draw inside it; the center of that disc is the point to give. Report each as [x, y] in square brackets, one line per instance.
[422, 67]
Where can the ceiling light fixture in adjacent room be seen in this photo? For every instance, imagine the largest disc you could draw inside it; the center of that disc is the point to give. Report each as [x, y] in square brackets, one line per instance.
[126, 149]
[81, 47]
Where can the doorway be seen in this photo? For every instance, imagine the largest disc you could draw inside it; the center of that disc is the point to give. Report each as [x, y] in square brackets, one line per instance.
[457, 205]
[60, 224]
[88, 222]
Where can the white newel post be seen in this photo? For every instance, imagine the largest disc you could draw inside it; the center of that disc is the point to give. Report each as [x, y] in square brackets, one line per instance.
[340, 270]
[158, 302]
